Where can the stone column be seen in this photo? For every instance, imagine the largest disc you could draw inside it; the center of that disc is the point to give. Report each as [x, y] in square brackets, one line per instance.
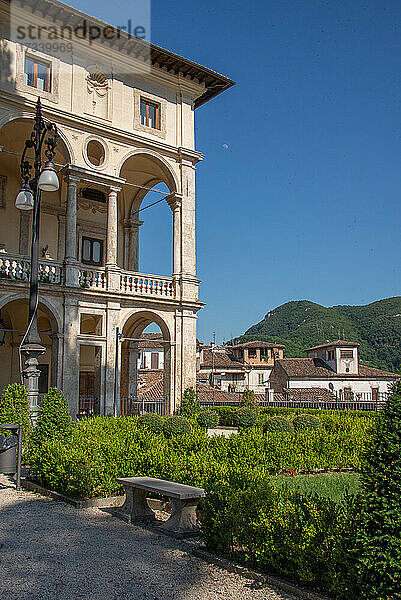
[134, 247]
[70, 254]
[175, 203]
[112, 223]
[61, 237]
[189, 283]
[25, 221]
[71, 219]
[71, 362]
[113, 275]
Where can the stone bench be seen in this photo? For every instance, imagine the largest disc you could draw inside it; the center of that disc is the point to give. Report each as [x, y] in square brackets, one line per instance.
[183, 498]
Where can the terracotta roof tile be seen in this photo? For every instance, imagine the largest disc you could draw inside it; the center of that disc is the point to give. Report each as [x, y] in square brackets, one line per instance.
[334, 343]
[258, 344]
[309, 394]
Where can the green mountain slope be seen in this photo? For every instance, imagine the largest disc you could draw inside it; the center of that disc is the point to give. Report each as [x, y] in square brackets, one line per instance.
[300, 324]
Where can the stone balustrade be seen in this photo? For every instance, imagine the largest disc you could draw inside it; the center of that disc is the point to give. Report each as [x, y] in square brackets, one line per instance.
[139, 284]
[17, 268]
[93, 279]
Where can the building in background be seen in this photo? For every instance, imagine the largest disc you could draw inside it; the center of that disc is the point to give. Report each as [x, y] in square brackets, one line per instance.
[332, 367]
[238, 368]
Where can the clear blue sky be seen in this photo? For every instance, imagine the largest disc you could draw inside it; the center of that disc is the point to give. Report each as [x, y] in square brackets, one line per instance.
[299, 194]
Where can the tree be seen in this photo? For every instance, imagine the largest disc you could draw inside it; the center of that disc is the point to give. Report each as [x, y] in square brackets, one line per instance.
[379, 538]
[14, 407]
[189, 405]
[248, 400]
[54, 420]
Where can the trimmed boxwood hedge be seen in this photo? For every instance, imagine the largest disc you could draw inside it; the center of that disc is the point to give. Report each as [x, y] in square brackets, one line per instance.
[176, 425]
[307, 423]
[151, 421]
[208, 418]
[278, 424]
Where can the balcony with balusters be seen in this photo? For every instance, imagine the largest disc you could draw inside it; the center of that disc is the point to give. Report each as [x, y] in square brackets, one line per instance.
[16, 268]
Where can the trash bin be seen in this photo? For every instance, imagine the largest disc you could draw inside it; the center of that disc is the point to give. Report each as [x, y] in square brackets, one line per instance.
[8, 454]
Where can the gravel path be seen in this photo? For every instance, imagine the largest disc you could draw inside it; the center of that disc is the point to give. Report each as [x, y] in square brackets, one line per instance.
[51, 551]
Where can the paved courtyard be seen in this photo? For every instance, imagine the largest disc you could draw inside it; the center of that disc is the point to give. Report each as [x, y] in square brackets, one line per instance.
[49, 550]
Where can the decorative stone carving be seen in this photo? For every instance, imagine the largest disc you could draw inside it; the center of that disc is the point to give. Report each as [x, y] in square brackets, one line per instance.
[97, 93]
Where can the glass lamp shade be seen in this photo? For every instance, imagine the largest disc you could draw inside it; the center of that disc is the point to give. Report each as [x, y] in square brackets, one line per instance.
[48, 180]
[24, 200]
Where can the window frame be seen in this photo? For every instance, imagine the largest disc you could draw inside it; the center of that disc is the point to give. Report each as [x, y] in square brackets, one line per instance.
[91, 262]
[346, 353]
[48, 66]
[157, 108]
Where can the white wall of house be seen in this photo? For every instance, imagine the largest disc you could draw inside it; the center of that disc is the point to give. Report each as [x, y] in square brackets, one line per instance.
[357, 386]
[150, 356]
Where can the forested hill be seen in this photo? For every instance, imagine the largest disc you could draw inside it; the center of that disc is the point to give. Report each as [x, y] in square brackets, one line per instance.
[301, 324]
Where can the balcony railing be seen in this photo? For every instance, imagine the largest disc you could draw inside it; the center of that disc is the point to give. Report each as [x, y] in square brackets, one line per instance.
[94, 279]
[18, 268]
[146, 285]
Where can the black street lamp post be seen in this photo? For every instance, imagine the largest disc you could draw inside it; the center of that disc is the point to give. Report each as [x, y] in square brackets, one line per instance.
[29, 199]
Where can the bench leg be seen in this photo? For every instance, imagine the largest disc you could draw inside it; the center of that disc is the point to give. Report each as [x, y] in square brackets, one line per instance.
[136, 507]
[183, 517]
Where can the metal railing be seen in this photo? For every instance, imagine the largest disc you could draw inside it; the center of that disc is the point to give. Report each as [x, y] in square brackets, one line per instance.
[140, 406]
[89, 405]
[361, 401]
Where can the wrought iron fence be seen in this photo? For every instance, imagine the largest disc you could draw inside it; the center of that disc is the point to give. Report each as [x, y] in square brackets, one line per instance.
[140, 406]
[87, 405]
[360, 401]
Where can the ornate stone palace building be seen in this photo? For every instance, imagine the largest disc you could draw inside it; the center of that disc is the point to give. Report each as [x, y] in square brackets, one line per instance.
[124, 110]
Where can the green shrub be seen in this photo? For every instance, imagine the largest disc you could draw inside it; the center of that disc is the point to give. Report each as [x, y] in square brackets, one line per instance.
[176, 425]
[307, 423]
[151, 421]
[245, 417]
[378, 544]
[226, 415]
[190, 406]
[248, 400]
[208, 418]
[302, 538]
[14, 408]
[278, 424]
[54, 420]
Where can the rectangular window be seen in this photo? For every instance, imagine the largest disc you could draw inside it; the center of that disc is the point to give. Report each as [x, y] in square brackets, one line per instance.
[346, 353]
[261, 378]
[37, 75]
[375, 394]
[143, 363]
[330, 355]
[92, 251]
[252, 353]
[154, 360]
[347, 394]
[150, 114]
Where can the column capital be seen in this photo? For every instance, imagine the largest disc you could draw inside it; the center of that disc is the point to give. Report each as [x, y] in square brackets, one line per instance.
[132, 223]
[114, 189]
[174, 200]
[71, 179]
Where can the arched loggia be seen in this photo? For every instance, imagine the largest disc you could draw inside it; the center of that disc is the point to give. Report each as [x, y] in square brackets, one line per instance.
[130, 392]
[149, 179]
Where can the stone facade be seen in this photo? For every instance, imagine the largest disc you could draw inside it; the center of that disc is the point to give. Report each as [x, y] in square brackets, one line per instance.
[107, 159]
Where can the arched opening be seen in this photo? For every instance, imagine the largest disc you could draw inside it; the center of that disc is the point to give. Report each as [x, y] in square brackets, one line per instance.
[145, 382]
[14, 319]
[12, 139]
[145, 240]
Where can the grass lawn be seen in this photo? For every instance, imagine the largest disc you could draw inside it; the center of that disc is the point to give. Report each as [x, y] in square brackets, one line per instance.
[334, 486]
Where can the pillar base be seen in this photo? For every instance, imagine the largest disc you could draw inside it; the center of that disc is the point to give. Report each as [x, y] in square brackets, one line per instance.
[31, 375]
